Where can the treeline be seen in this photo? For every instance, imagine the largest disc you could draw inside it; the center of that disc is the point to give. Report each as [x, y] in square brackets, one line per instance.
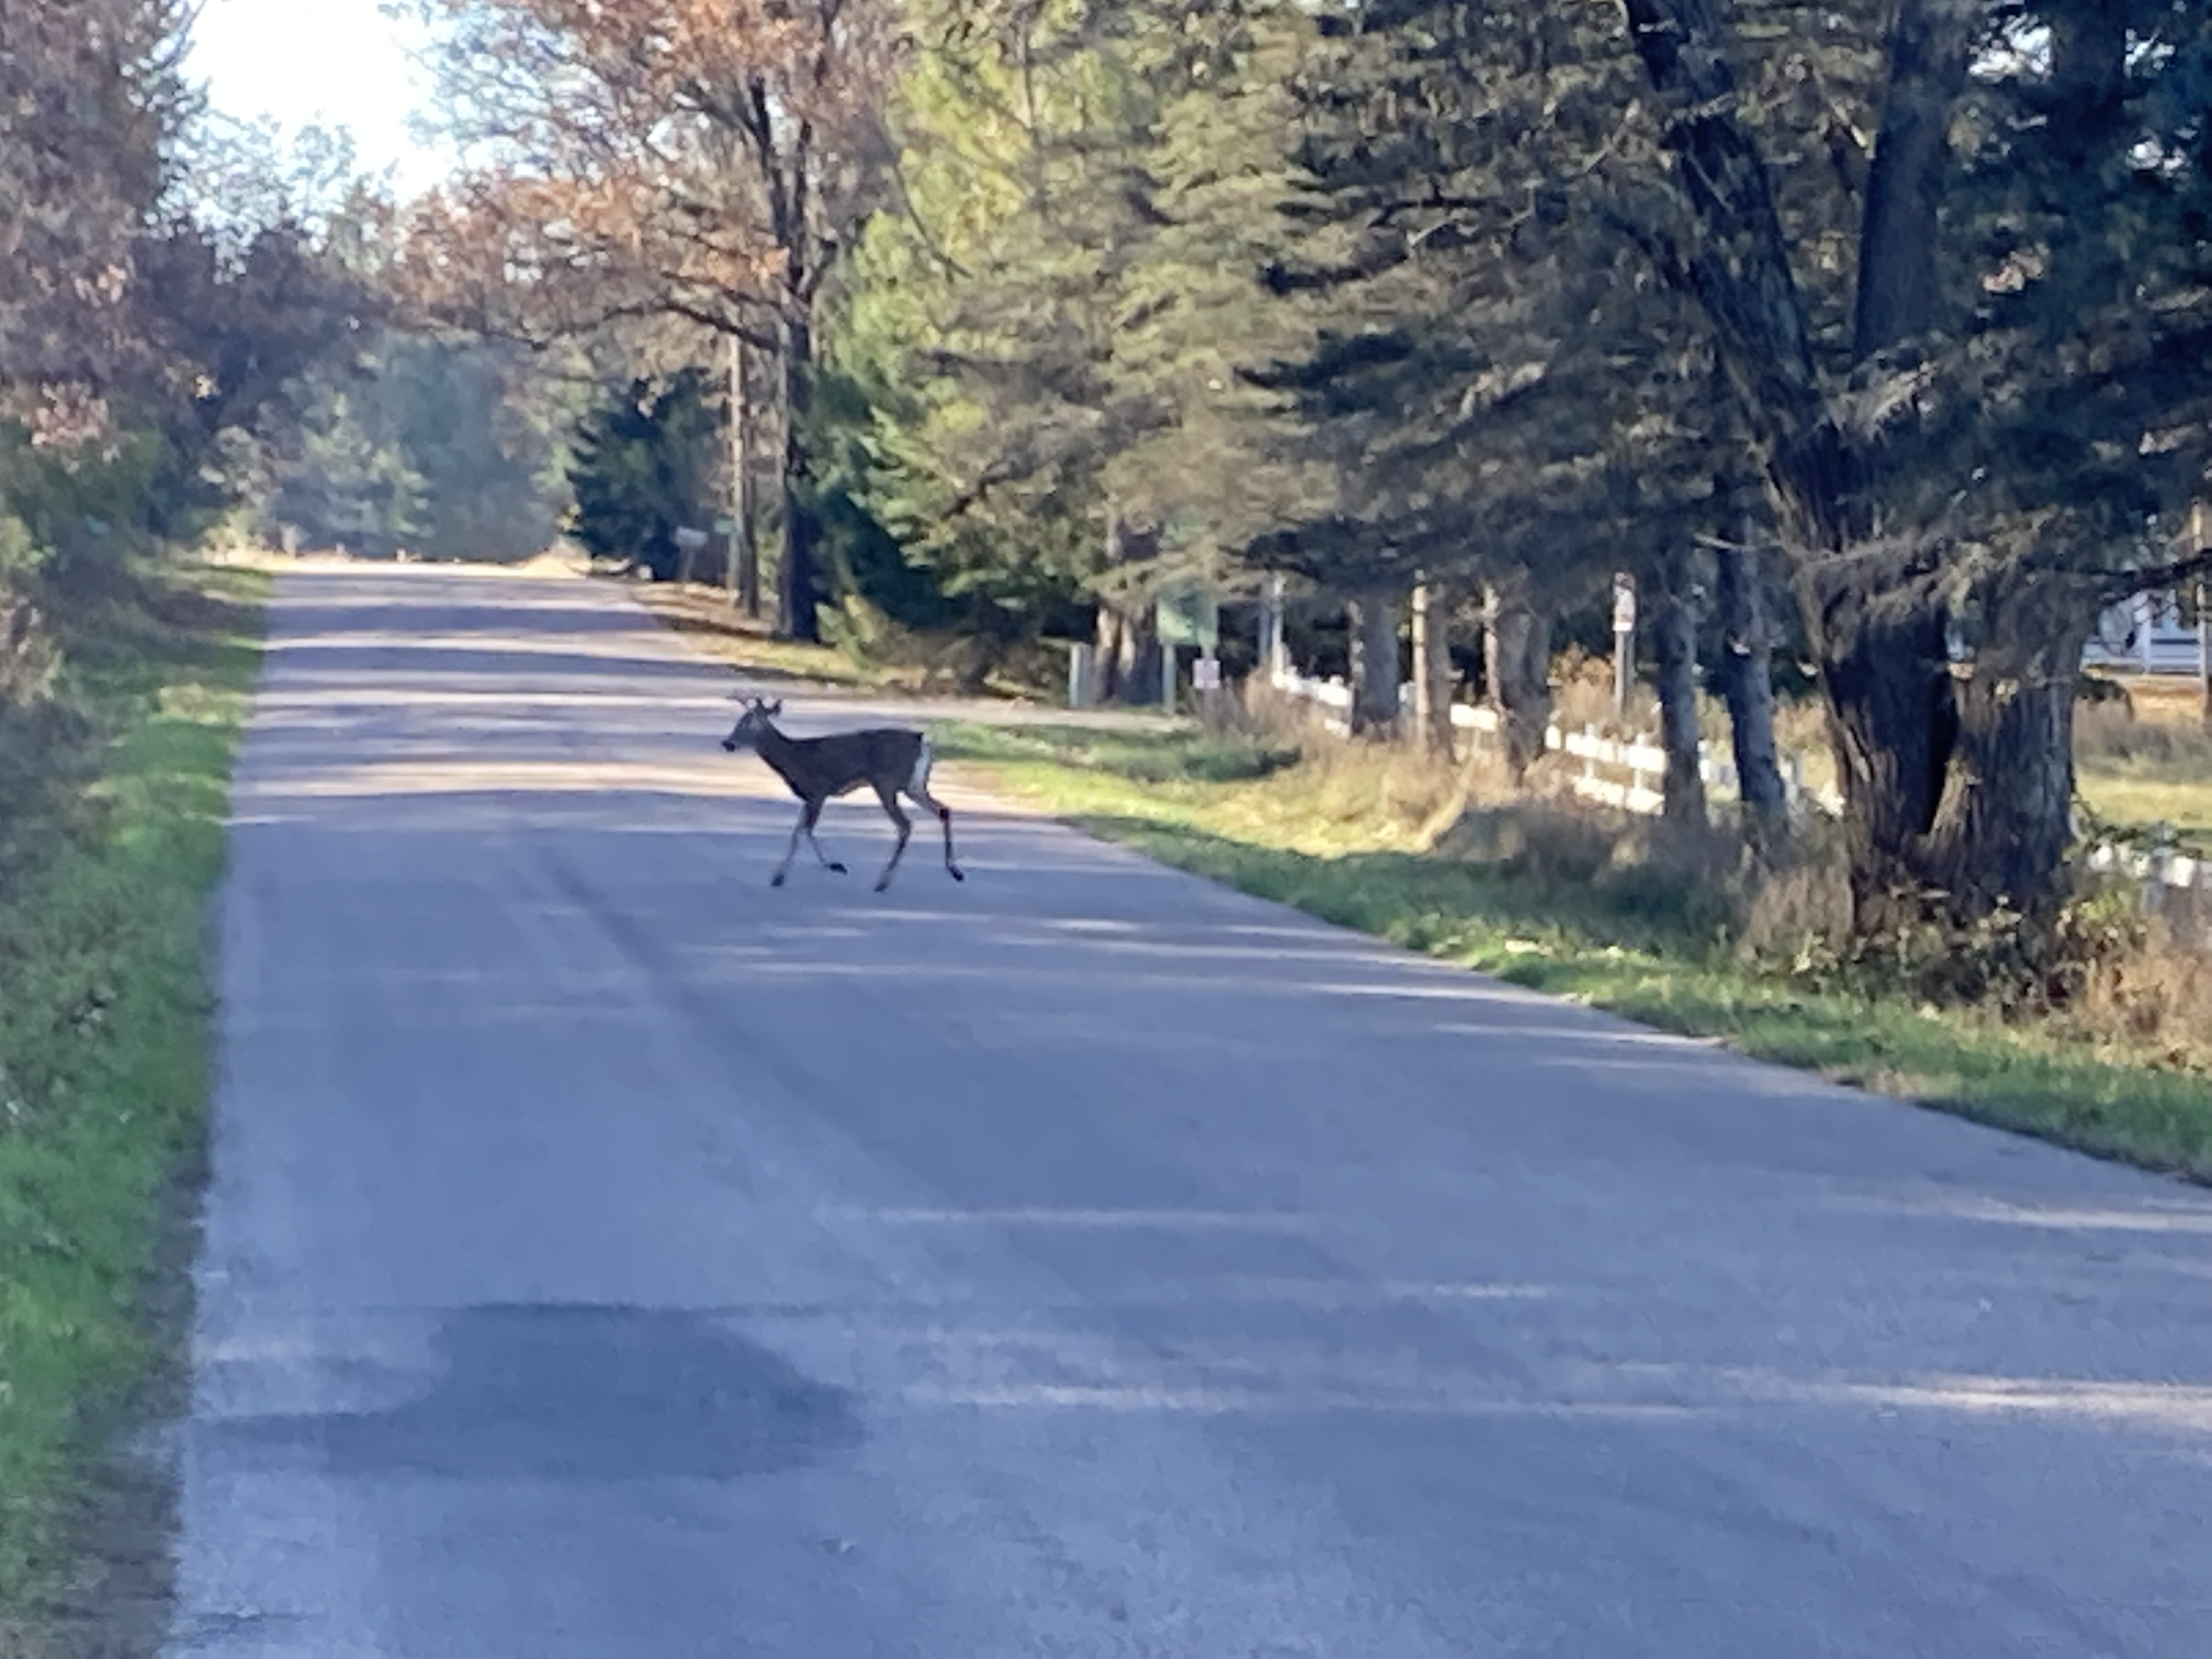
[200, 339]
[145, 342]
[1872, 330]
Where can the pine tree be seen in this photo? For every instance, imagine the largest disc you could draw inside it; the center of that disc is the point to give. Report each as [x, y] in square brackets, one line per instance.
[1961, 399]
[1497, 396]
[980, 317]
[639, 469]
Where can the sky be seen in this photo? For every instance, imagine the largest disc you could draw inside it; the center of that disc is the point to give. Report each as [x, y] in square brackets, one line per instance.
[338, 63]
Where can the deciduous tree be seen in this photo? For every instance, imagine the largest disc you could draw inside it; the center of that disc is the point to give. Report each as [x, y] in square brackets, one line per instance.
[695, 160]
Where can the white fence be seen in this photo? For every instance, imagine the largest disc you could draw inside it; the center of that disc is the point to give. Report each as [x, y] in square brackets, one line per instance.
[2146, 634]
[1625, 773]
[1637, 766]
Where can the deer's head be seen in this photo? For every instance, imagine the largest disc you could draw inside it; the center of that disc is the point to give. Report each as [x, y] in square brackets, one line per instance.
[746, 733]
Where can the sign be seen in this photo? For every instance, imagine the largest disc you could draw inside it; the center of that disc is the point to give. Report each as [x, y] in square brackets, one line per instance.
[1624, 604]
[1190, 615]
[725, 526]
[1205, 674]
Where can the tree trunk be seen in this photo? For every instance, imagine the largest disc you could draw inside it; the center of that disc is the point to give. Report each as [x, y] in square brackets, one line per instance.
[1432, 726]
[744, 547]
[1128, 639]
[2005, 820]
[1374, 675]
[1674, 646]
[1893, 722]
[1516, 661]
[1746, 678]
[802, 530]
[1128, 654]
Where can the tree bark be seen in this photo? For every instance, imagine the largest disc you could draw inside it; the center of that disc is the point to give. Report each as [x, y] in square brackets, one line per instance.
[1674, 646]
[1930, 42]
[744, 547]
[1747, 677]
[1432, 725]
[1374, 669]
[1516, 662]
[2005, 821]
[1893, 722]
[802, 530]
[1127, 640]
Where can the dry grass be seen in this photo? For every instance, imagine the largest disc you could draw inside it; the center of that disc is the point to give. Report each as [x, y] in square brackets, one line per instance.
[2146, 764]
[1679, 931]
[2150, 1000]
[863, 649]
[705, 616]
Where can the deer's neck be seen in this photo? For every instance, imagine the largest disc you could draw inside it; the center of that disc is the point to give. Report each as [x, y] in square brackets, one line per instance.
[778, 750]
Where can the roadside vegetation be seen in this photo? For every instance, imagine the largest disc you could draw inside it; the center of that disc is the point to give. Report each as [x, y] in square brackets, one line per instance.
[106, 1011]
[880, 657]
[188, 309]
[1670, 927]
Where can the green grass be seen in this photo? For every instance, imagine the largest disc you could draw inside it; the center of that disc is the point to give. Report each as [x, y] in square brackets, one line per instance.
[2182, 806]
[1639, 948]
[106, 1000]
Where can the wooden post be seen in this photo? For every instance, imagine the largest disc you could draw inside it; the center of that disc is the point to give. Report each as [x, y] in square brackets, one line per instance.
[1623, 644]
[2197, 545]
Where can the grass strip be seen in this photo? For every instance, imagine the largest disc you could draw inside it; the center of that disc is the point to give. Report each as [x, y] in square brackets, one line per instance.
[1250, 818]
[107, 1007]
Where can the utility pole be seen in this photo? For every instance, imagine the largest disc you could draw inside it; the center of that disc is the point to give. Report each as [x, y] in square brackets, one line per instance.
[744, 551]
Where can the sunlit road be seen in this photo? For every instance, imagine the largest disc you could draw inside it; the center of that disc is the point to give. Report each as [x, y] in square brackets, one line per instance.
[609, 1256]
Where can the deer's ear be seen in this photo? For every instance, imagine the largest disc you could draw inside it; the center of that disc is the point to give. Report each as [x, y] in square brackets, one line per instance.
[775, 708]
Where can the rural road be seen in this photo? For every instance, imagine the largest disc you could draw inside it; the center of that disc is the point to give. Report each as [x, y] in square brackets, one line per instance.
[608, 1257]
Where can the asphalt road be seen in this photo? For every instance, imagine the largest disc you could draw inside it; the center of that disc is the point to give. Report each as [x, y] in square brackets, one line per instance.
[610, 1257]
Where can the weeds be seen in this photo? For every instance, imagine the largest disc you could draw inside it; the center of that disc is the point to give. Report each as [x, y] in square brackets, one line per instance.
[105, 1009]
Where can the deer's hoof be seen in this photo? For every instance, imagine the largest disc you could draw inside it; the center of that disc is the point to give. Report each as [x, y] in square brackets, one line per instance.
[837, 869]
[775, 880]
[957, 875]
[883, 884]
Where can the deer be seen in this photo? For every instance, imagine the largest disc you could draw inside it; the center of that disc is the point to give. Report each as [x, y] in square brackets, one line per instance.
[891, 760]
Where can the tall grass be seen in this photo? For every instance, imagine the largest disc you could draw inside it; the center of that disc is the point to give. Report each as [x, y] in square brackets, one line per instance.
[104, 1019]
[1682, 930]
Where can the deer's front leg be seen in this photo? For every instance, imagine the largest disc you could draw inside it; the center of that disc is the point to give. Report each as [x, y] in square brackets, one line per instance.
[814, 816]
[803, 827]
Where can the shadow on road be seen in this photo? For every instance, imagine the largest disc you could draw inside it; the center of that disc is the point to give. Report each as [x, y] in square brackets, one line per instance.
[588, 1394]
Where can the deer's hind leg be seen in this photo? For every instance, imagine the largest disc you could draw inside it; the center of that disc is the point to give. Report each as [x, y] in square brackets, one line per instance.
[917, 787]
[888, 796]
[931, 804]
